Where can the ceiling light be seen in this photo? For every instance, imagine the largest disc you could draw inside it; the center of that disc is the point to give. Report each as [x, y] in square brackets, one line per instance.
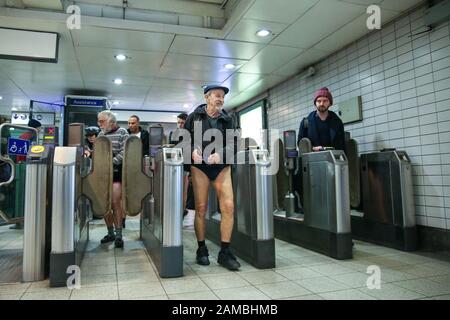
[185, 105]
[115, 103]
[1, 97]
[263, 33]
[118, 81]
[13, 109]
[229, 66]
[121, 57]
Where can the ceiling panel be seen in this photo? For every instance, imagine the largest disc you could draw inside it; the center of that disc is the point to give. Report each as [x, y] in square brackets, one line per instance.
[245, 30]
[9, 87]
[284, 11]
[107, 76]
[98, 61]
[215, 48]
[264, 84]
[165, 106]
[345, 35]
[269, 59]
[118, 92]
[399, 5]
[122, 39]
[363, 2]
[240, 81]
[199, 63]
[196, 75]
[306, 58]
[181, 84]
[49, 78]
[323, 19]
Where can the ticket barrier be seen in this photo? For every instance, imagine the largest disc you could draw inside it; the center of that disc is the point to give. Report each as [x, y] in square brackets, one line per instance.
[322, 221]
[81, 188]
[252, 236]
[38, 208]
[162, 215]
[387, 199]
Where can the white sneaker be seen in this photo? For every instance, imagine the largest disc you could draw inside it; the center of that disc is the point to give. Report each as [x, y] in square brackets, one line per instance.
[188, 222]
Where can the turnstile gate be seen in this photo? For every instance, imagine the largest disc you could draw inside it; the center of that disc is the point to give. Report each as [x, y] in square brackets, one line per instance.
[388, 201]
[162, 226]
[38, 208]
[324, 223]
[252, 235]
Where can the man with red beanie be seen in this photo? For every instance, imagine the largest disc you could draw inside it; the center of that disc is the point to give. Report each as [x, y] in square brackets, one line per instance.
[323, 127]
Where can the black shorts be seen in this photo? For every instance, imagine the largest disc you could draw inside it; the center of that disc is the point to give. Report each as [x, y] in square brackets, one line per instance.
[117, 175]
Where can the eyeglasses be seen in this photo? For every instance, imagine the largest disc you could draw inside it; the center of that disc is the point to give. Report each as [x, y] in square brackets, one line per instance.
[101, 120]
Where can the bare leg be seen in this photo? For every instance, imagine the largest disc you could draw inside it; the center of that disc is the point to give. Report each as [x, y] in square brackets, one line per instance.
[200, 183]
[224, 190]
[117, 205]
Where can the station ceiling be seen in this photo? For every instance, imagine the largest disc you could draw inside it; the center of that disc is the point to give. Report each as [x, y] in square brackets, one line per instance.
[173, 47]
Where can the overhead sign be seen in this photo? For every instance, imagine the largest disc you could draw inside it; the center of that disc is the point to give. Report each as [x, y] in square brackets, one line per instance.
[85, 102]
[45, 118]
[18, 147]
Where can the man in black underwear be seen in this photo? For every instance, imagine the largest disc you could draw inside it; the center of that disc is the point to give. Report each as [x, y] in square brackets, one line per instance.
[212, 168]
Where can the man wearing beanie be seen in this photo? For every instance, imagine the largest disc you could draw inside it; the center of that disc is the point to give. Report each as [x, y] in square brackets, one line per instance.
[323, 127]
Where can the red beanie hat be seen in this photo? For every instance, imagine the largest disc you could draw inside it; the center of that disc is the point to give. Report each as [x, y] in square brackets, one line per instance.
[323, 92]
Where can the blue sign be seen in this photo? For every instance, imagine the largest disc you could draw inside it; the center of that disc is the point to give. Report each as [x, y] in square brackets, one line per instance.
[85, 102]
[18, 147]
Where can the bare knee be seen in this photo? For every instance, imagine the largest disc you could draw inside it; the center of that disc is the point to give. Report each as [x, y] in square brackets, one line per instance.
[227, 206]
[200, 209]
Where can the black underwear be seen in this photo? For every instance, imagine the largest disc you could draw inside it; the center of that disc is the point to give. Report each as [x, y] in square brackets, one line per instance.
[211, 170]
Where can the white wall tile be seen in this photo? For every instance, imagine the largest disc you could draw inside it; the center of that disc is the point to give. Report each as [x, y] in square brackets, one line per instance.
[436, 222]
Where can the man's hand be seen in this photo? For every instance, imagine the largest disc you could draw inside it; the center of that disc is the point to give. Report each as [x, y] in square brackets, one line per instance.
[319, 148]
[214, 158]
[87, 153]
[196, 156]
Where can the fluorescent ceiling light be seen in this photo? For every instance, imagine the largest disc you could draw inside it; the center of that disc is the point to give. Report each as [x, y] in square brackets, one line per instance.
[263, 33]
[121, 57]
[229, 66]
[115, 103]
[118, 81]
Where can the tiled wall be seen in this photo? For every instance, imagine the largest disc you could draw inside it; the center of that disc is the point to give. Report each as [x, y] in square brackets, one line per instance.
[404, 82]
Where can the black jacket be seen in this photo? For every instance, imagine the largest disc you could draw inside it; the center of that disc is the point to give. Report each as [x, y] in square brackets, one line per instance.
[224, 122]
[145, 139]
[336, 129]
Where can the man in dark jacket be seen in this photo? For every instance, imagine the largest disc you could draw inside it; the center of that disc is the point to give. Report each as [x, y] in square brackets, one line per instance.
[135, 129]
[323, 127]
[210, 165]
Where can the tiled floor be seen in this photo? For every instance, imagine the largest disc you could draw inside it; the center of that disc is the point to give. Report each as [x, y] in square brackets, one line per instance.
[129, 273]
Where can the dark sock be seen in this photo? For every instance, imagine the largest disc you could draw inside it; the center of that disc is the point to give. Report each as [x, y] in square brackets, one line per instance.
[201, 243]
[224, 245]
[119, 233]
[111, 231]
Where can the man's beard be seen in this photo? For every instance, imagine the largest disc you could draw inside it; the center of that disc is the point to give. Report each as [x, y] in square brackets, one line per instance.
[322, 109]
